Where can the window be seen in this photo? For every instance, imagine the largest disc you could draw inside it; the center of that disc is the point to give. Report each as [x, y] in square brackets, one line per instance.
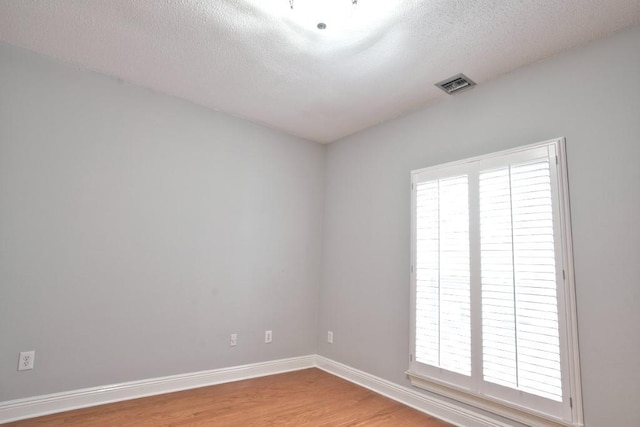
[493, 319]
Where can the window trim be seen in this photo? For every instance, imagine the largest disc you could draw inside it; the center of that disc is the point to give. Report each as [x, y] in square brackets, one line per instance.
[568, 318]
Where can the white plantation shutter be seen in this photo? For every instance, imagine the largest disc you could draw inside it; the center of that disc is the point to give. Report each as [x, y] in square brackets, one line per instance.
[427, 273]
[492, 316]
[443, 287]
[520, 341]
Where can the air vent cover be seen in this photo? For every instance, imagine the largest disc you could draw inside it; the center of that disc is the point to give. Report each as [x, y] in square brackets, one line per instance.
[456, 84]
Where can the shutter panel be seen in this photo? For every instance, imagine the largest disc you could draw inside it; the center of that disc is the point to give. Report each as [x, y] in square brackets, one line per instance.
[498, 308]
[443, 321]
[519, 307]
[427, 273]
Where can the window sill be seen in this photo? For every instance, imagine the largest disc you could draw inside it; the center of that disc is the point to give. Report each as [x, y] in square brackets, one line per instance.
[502, 409]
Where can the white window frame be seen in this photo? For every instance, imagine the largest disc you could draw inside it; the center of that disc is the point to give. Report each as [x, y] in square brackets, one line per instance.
[473, 390]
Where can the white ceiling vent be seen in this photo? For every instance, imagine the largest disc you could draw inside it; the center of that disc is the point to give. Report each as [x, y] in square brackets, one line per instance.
[456, 84]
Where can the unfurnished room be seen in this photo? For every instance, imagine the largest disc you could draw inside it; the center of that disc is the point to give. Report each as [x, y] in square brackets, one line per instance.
[320, 213]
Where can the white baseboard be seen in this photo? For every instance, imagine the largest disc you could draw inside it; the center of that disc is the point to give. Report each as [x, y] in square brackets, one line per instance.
[440, 408]
[19, 409]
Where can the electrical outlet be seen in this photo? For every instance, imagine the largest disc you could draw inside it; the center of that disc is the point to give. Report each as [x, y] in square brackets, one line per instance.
[330, 337]
[25, 362]
[268, 336]
[233, 341]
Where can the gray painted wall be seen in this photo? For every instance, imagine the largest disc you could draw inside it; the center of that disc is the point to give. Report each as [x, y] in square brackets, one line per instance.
[137, 231]
[591, 96]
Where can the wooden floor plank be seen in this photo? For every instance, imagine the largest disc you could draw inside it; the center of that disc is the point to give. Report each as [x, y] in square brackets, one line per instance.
[309, 397]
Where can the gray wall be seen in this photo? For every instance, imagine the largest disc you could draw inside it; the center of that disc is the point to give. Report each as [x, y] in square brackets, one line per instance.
[591, 96]
[137, 231]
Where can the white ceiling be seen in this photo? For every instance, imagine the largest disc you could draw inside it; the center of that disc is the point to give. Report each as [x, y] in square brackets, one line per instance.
[258, 60]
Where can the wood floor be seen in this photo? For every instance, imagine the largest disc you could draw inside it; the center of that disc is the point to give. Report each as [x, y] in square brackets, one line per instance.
[310, 397]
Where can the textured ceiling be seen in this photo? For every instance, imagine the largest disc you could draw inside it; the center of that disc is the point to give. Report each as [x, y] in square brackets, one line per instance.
[259, 60]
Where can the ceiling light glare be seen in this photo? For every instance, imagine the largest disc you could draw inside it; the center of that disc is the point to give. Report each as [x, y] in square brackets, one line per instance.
[335, 14]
